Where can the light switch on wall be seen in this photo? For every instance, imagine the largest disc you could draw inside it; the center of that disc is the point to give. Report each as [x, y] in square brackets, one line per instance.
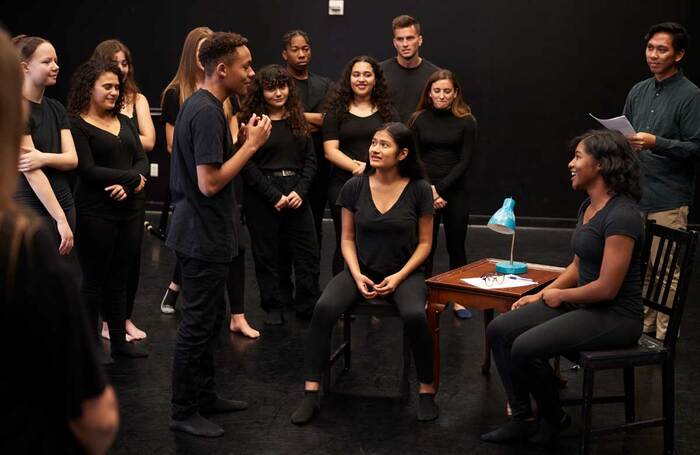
[154, 169]
[336, 7]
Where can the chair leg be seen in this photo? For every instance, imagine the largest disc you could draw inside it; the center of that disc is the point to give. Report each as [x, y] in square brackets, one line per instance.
[586, 411]
[347, 335]
[669, 406]
[630, 395]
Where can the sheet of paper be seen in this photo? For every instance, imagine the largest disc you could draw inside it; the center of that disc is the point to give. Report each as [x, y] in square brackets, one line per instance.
[620, 124]
[507, 283]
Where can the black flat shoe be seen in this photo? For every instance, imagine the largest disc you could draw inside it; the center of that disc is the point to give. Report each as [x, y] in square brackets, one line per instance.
[308, 408]
[515, 430]
[197, 425]
[548, 432]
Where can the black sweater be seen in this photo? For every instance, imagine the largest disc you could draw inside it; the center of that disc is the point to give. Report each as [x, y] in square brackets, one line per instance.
[104, 160]
[446, 144]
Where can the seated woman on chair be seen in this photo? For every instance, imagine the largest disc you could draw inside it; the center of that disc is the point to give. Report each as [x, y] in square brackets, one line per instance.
[596, 303]
[387, 222]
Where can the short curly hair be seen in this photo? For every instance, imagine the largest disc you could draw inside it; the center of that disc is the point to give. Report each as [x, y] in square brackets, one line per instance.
[619, 165]
[339, 99]
[219, 47]
[83, 83]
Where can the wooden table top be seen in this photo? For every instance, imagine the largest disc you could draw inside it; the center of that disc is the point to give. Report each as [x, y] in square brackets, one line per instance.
[450, 280]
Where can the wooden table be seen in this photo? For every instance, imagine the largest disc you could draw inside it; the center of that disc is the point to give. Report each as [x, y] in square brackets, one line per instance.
[447, 287]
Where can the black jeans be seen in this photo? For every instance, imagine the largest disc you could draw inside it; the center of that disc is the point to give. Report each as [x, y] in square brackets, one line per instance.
[203, 307]
[334, 187]
[235, 282]
[341, 293]
[106, 250]
[524, 340]
[132, 282]
[455, 220]
[277, 236]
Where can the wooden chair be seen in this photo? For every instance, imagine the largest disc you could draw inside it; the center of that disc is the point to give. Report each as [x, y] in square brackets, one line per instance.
[379, 308]
[676, 250]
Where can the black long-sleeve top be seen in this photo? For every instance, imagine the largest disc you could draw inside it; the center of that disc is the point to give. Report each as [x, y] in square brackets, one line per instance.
[106, 159]
[446, 144]
[282, 151]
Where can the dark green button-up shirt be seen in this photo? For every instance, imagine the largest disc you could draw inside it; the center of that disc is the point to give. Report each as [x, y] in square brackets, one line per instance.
[670, 110]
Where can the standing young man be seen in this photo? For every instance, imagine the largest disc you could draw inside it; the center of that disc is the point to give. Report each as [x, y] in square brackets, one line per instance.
[407, 73]
[202, 230]
[665, 112]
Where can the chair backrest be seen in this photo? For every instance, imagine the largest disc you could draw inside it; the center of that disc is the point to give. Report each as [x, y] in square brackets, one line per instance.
[667, 252]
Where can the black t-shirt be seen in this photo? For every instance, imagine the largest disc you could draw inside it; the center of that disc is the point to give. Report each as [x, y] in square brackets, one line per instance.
[283, 150]
[620, 216]
[385, 242]
[103, 160]
[46, 121]
[406, 84]
[446, 144]
[171, 105]
[354, 135]
[201, 227]
[49, 355]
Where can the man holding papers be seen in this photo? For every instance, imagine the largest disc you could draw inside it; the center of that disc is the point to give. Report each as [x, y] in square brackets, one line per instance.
[665, 112]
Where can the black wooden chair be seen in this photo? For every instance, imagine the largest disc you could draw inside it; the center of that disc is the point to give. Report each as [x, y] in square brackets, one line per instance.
[676, 249]
[379, 308]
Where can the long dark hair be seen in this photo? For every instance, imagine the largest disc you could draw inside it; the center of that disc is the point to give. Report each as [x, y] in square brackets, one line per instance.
[619, 165]
[270, 78]
[411, 166]
[83, 83]
[459, 107]
[106, 50]
[339, 99]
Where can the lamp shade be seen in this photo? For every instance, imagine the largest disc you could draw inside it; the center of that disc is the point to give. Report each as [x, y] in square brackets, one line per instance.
[503, 222]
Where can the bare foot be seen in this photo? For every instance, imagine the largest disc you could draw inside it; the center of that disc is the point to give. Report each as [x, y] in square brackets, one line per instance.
[239, 324]
[105, 333]
[134, 332]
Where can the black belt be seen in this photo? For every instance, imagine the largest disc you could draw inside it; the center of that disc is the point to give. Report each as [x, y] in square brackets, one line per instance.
[281, 173]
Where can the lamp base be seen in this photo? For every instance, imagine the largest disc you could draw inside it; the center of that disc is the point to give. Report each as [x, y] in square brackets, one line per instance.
[515, 268]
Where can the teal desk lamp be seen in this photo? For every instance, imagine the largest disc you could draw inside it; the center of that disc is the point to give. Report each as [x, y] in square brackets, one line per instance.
[503, 222]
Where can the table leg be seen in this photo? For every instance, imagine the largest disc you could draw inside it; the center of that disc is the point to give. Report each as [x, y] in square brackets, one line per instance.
[433, 313]
[486, 365]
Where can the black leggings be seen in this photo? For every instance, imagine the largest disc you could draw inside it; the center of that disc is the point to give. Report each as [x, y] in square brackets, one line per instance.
[524, 340]
[132, 282]
[334, 187]
[455, 219]
[106, 251]
[235, 282]
[341, 293]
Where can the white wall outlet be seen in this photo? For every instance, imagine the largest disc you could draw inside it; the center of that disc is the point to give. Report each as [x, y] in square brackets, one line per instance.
[154, 169]
[336, 7]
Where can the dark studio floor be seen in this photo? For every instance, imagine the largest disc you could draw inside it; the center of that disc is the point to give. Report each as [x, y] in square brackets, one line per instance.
[267, 373]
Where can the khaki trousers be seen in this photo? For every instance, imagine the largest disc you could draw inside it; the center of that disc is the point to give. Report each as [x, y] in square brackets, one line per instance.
[677, 219]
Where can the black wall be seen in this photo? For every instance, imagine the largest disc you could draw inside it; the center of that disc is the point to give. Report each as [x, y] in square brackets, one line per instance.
[531, 70]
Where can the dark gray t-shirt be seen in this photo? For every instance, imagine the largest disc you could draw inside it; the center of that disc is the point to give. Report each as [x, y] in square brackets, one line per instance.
[620, 216]
[201, 227]
[406, 84]
[385, 242]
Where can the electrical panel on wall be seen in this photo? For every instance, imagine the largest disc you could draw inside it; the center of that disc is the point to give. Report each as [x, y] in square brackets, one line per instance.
[336, 7]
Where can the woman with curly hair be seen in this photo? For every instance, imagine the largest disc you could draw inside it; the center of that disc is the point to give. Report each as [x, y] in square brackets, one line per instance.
[111, 169]
[596, 303]
[445, 131]
[355, 109]
[277, 180]
[137, 109]
[48, 152]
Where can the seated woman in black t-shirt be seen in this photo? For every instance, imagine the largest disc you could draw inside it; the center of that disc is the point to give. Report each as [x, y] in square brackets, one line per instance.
[48, 152]
[277, 180]
[387, 233]
[111, 169]
[596, 303]
[357, 106]
[53, 393]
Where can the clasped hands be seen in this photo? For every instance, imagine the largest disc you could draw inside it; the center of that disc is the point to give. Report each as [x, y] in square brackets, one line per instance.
[551, 297]
[291, 201]
[118, 193]
[369, 290]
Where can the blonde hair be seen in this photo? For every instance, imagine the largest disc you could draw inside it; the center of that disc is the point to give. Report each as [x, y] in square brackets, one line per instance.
[185, 79]
[11, 128]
